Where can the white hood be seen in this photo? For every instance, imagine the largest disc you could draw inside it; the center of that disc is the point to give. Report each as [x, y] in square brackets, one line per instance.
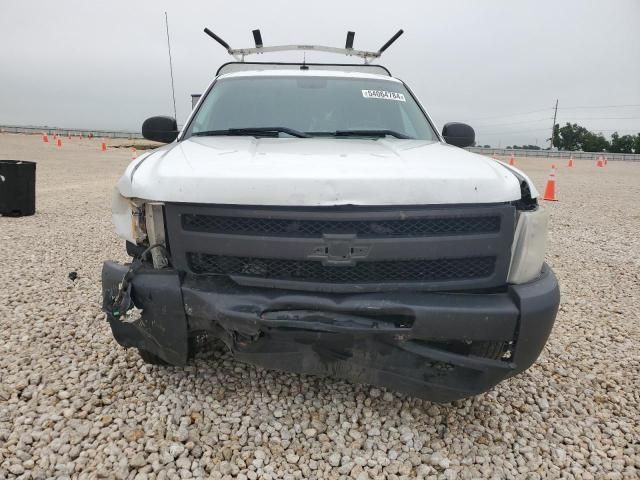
[317, 172]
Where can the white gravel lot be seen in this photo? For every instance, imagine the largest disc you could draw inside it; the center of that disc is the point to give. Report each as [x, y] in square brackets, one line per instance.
[73, 404]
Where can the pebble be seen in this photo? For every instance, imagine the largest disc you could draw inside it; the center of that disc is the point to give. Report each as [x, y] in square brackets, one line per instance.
[292, 458]
[310, 432]
[137, 461]
[438, 460]
[334, 459]
[16, 469]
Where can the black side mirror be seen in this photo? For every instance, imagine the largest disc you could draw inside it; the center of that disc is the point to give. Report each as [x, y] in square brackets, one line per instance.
[459, 134]
[160, 129]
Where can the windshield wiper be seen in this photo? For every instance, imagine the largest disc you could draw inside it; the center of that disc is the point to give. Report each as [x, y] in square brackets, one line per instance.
[370, 133]
[253, 131]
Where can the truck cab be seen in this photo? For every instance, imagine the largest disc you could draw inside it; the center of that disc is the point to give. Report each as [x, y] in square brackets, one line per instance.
[315, 220]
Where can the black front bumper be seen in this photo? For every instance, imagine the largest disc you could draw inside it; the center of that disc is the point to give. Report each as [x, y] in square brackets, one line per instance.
[393, 339]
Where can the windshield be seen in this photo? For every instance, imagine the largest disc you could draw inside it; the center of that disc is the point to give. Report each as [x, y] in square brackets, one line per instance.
[316, 106]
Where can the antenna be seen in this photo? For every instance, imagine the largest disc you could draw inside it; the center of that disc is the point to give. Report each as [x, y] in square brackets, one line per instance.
[173, 91]
[240, 53]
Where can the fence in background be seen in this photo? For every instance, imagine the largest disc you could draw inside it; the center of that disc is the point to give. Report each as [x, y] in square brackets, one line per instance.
[628, 157]
[68, 131]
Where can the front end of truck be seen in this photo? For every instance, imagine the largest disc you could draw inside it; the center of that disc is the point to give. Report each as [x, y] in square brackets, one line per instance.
[403, 263]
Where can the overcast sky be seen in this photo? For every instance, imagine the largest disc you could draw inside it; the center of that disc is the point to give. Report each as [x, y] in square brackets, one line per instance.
[488, 63]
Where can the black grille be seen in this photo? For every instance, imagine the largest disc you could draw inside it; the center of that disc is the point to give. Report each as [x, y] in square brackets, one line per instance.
[364, 272]
[411, 227]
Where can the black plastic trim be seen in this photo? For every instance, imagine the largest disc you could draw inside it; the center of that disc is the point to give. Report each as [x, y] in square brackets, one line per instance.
[162, 328]
[356, 336]
[497, 244]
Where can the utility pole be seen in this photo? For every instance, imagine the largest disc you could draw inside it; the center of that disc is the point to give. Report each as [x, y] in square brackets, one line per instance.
[553, 127]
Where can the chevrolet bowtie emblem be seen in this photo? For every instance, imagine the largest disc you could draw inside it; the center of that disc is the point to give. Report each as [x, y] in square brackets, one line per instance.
[340, 249]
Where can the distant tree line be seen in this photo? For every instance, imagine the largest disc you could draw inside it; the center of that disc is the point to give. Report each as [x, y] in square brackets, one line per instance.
[525, 147]
[573, 137]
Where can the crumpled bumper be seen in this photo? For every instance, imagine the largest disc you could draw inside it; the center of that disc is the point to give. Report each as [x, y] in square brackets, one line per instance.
[400, 340]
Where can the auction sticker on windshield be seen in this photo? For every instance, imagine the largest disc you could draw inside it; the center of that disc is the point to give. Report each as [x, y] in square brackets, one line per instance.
[383, 94]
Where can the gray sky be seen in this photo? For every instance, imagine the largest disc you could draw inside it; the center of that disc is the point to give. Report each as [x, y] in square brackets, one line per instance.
[104, 64]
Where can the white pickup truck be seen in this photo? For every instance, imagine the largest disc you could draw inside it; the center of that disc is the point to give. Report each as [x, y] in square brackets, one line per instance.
[314, 219]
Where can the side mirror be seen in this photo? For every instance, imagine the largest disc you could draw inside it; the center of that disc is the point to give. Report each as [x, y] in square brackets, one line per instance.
[459, 134]
[160, 129]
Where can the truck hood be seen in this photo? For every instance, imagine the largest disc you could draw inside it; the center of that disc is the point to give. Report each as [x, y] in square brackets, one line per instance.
[317, 172]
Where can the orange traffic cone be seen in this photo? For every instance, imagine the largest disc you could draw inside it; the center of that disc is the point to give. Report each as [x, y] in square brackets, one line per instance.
[104, 147]
[570, 164]
[512, 160]
[550, 188]
[45, 138]
[59, 143]
[134, 153]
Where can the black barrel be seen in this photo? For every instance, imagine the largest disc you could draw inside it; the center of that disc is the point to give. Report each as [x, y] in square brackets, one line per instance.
[17, 188]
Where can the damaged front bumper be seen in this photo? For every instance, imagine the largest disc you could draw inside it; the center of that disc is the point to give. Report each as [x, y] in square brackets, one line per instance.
[415, 342]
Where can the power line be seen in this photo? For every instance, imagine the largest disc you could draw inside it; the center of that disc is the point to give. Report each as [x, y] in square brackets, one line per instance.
[605, 118]
[601, 106]
[549, 109]
[555, 109]
[512, 114]
[569, 119]
[515, 132]
[596, 130]
[515, 123]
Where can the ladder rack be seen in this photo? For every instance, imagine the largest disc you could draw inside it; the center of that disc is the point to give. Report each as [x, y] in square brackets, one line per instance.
[348, 50]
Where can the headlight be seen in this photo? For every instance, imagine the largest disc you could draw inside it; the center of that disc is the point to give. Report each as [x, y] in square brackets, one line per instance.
[127, 218]
[529, 244]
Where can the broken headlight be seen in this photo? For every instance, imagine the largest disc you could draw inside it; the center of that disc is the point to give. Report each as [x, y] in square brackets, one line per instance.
[529, 244]
[128, 218]
[154, 221]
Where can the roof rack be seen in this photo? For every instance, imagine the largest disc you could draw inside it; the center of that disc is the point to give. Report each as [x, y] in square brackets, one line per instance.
[240, 53]
[232, 67]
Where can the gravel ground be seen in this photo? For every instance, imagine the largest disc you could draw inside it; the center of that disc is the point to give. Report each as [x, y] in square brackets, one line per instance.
[73, 404]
